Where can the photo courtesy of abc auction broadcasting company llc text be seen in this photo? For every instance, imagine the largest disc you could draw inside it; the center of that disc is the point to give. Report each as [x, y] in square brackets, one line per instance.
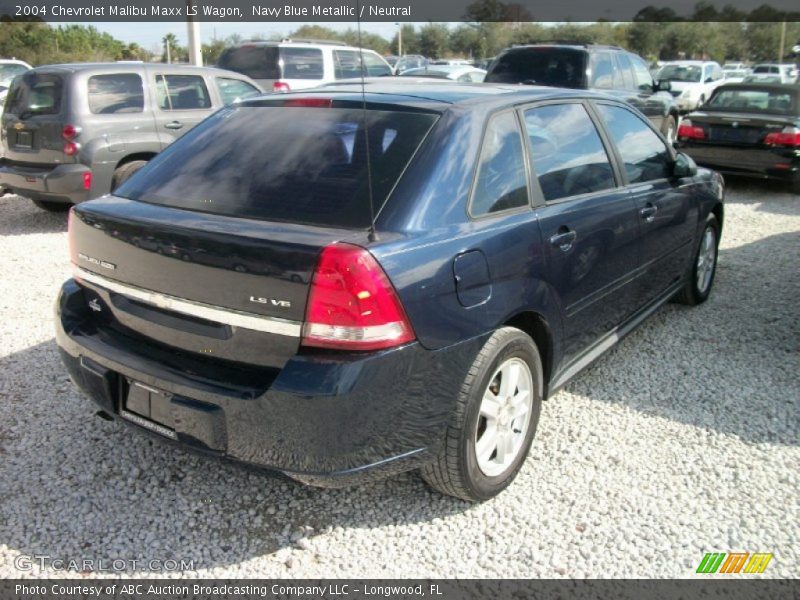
[359, 298]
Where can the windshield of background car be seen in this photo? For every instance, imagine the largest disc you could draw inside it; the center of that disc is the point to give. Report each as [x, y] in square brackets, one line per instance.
[681, 73]
[8, 72]
[753, 100]
[34, 94]
[540, 66]
[285, 163]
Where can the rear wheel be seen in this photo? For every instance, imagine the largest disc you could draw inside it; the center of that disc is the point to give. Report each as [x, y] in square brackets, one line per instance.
[124, 172]
[51, 206]
[704, 267]
[495, 419]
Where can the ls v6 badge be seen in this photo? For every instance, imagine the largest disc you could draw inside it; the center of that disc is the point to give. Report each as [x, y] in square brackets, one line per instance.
[272, 301]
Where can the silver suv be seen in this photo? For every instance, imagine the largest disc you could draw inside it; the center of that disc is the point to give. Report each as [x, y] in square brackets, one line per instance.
[75, 132]
[300, 64]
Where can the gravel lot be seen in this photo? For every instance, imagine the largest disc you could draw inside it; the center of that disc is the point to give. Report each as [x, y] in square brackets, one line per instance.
[684, 439]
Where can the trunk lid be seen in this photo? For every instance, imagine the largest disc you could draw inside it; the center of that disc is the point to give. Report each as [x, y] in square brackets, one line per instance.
[34, 119]
[207, 284]
[739, 129]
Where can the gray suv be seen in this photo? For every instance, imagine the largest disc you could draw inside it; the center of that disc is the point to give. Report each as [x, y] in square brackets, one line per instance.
[75, 132]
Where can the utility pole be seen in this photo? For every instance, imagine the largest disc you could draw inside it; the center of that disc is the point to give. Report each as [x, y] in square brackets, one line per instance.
[399, 39]
[169, 57]
[195, 48]
[783, 40]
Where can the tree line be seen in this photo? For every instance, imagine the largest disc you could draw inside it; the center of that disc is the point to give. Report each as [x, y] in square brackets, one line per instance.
[41, 43]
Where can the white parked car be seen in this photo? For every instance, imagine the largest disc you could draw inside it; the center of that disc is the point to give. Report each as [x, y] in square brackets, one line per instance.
[300, 64]
[9, 68]
[774, 72]
[692, 81]
[735, 72]
[466, 74]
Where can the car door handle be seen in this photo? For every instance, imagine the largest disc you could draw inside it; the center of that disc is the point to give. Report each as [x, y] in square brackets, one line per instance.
[174, 125]
[648, 213]
[564, 239]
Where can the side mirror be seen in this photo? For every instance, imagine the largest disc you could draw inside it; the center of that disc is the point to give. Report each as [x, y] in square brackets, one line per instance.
[663, 85]
[684, 166]
[709, 79]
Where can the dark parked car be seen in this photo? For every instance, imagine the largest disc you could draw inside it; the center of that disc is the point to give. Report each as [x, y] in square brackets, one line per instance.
[589, 66]
[750, 129]
[75, 132]
[518, 234]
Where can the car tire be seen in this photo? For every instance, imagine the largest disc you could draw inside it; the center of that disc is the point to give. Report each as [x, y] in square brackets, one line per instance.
[795, 186]
[50, 206]
[462, 468]
[123, 172]
[670, 129]
[704, 266]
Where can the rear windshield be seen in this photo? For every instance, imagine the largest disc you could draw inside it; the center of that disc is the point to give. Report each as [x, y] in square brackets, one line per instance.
[295, 164]
[540, 66]
[273, 62]
[35, 94]
[8, 72]
[753, 100]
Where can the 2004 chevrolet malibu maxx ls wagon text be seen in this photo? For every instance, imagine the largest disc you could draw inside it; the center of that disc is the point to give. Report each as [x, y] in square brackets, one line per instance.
[232, 295]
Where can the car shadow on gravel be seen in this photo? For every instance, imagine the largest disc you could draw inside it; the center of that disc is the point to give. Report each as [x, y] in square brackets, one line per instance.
[727, 366]
[74, 486]
[21, 217]
[773, 196]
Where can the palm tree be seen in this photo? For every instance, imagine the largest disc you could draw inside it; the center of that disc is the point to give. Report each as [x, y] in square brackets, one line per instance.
[170, 41]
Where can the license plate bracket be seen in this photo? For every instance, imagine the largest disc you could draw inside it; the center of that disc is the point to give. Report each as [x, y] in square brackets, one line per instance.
[24, 139]
[148, 407]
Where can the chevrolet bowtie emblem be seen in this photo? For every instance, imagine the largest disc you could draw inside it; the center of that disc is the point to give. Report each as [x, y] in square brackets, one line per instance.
[19, 126]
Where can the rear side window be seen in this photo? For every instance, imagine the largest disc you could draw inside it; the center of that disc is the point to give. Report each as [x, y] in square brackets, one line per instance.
[602, 71]
[182, 92]
[232, 90]
[302, 63]
[645, 155]
[540, 66]
[117, 93]
[568, 155]
[284, 163]
[255, 61]
[35, 94]
[501, 183]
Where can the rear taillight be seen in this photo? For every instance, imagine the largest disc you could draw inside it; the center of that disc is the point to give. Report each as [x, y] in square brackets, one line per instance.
[280, 87]
[687, 131]
[87, 180]
[310, 102]
[352, 304]
[69, 133]
[790, 136]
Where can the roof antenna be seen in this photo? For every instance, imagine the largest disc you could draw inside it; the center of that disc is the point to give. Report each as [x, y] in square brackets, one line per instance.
[373, 236]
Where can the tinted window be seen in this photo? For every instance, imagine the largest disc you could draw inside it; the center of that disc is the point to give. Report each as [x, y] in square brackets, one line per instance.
[181, 92]
[8, 72]
[118, 93]
[623, 78]
[688, 73]
[501, 181]
[643, 80]
[231, 90]
[568, 156]
[542, 66]
[376, 67]
[752, 100]
[35, 94]
[602, 70]
[765, 69]
[302, 63]
[255, 61]
[313, 170]
[346, 64]
[644, 153]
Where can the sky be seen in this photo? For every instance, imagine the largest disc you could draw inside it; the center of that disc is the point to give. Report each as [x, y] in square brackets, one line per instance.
[148, 35]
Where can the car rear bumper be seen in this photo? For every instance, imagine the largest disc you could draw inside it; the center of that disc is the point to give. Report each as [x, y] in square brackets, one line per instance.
[778, 163]
[324, 418]
[61, 183]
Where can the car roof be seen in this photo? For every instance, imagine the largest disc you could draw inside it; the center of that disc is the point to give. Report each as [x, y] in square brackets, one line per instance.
[300, 44]
[125, 66]
[436, 94]
[755, 85]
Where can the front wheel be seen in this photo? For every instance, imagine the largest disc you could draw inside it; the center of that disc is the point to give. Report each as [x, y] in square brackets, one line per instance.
[704, 267]
[494, 422]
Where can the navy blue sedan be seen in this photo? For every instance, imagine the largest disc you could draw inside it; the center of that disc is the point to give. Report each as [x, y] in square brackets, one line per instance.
[341, 287]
